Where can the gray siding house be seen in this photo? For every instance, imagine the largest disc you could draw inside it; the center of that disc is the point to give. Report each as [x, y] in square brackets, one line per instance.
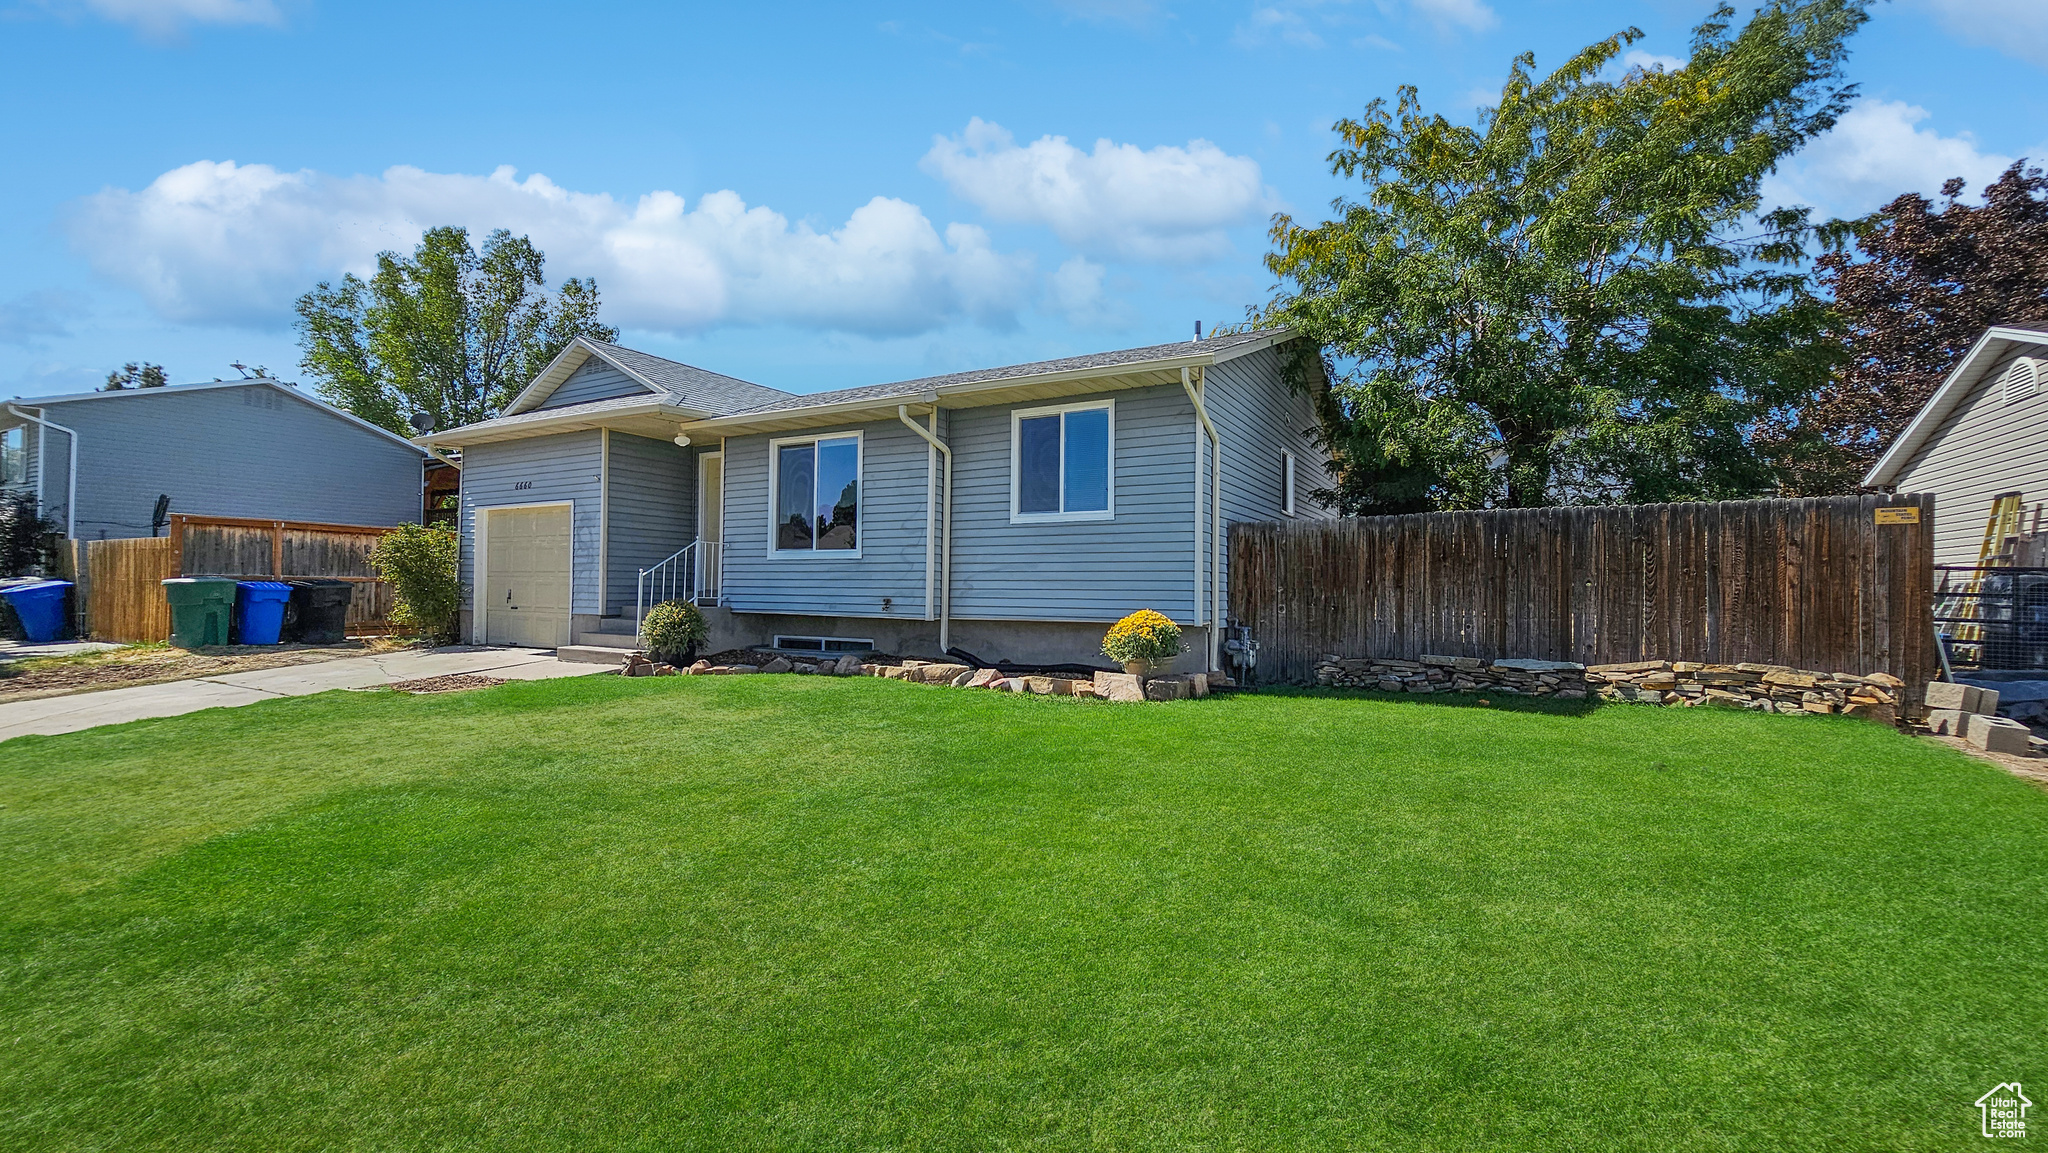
[245, 448]
[1012, 512]
[1984, 432]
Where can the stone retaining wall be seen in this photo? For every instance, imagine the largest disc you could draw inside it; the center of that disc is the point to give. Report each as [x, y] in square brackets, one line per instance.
[1768, 688]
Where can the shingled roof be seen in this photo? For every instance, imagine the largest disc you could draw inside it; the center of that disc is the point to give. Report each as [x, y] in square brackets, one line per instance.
[691, 387]
[925, 384]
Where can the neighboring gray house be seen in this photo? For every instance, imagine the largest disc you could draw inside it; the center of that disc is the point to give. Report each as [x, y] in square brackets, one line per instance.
[247, 448]
[1984, 432]
[1011, 512]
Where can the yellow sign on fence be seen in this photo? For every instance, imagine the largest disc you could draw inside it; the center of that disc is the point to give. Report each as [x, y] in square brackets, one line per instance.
[1898, 514]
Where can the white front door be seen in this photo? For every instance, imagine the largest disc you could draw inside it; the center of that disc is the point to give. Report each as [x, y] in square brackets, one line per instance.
[526, 577]
[710, 519]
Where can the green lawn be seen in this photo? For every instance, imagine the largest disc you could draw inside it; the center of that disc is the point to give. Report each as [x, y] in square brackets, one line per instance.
[776, 913]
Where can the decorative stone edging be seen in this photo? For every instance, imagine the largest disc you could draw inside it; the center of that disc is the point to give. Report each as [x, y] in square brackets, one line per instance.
[1104, 685]
[1562, 680]
[1768, 688]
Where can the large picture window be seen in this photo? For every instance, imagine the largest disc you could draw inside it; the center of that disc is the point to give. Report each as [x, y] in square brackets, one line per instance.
[816, 495]
[1061, 462]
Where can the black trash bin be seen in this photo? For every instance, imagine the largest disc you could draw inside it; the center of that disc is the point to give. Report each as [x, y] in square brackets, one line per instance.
[319, 611]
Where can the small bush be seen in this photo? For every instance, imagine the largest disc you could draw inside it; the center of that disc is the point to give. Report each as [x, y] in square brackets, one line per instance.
[671, 629]
[420, 564]
[1145, 635]
[26, 535]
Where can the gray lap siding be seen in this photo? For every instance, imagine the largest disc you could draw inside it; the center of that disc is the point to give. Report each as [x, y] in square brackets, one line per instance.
[653, 511]
[1079, 570]
[890, 532]
[1061, 571]
[562, 467]
[594, 380]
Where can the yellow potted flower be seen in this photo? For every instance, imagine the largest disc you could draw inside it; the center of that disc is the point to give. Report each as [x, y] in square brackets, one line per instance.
[1145, 642]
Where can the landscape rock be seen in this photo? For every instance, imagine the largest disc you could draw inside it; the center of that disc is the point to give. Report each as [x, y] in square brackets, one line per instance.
[847, 666]
[961, 681]
[1167, 689]
[1119, 687]
[739, 670]
[983, 678]
[933, 673]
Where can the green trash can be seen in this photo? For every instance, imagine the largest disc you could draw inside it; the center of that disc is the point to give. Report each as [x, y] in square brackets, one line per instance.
[200, 610]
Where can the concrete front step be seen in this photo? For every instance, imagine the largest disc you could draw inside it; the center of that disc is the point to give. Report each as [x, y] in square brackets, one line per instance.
[593, 654]
[616, 626]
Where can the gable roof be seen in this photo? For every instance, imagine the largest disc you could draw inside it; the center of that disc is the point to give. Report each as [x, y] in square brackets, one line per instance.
[671, 382]
[1989, 350]
[290, 390]
[661, 413]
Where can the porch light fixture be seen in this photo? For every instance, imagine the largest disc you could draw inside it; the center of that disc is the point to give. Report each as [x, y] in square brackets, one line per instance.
[682, 440]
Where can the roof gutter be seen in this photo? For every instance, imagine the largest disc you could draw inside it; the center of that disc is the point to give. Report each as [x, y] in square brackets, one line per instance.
[71, 482]
[967, 390]
[456, 437]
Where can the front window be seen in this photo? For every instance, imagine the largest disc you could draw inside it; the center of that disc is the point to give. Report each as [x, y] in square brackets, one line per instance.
[817, 495]
[14, 455]
[1061, 459]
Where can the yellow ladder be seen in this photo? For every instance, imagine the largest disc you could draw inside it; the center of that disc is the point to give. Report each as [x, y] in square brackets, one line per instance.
[2003, 523]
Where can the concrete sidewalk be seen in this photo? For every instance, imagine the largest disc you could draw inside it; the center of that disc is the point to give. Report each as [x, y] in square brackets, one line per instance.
[68, 714]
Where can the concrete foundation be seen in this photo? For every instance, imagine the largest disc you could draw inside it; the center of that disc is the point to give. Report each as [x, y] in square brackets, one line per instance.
[1022, 642]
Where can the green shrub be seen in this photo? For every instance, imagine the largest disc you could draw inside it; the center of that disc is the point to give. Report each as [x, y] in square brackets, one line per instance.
[25, 535]
[672, 628]
[420, 564]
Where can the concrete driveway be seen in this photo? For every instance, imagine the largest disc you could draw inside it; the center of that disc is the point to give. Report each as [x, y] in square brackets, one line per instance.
[50, 715]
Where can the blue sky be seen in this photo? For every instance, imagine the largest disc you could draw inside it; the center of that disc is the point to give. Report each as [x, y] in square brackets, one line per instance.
[806, 196]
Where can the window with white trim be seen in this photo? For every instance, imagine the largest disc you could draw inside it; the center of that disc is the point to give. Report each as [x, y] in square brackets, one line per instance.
[814, 495]
[1062, 462]
[1287, 483]
[14, 455]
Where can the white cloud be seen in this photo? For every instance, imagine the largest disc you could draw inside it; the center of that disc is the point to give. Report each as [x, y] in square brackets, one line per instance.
[162, 17]
[1167, 204]
[1268, 24]
[1875, 153]
[1472, 15]
[1651, 61]
[221, 242]
[2018, 28]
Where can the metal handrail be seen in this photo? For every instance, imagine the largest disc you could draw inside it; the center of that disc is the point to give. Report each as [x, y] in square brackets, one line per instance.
[693, 573]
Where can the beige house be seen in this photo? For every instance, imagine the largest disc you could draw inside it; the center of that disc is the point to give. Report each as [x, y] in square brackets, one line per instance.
[1983, 433]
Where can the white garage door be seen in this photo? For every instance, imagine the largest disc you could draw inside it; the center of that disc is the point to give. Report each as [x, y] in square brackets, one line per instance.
[526, 577]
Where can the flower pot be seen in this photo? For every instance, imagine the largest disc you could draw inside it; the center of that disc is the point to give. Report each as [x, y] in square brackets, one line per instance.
[679, 660]
[1146, 668]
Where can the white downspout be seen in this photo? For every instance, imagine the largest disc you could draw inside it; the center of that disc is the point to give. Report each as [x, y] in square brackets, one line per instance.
[946, 550]
[604, 525]
[931, 515]
[1195, 397]
[70, 482]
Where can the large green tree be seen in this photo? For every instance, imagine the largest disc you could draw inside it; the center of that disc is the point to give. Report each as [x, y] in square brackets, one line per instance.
[1583, 298]
[449, 331]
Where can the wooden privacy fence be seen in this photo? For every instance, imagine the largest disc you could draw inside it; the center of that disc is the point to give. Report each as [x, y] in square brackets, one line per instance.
[124, 590]
[1815, 584]
[123, 593]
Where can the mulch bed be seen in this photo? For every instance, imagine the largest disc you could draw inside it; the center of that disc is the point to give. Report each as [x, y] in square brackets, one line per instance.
[452, 683]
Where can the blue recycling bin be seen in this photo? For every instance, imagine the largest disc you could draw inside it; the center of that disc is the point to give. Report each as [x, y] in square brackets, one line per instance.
[259, 610]
[41, 608]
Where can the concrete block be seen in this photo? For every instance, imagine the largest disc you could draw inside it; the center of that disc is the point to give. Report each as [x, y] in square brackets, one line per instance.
[1948, 695]
[1987, 701]
[1946, 722]
[1998, 735]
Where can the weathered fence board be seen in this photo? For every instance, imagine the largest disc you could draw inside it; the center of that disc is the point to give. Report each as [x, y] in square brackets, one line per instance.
[124, 577]
[125, 591]
[1816, 584]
